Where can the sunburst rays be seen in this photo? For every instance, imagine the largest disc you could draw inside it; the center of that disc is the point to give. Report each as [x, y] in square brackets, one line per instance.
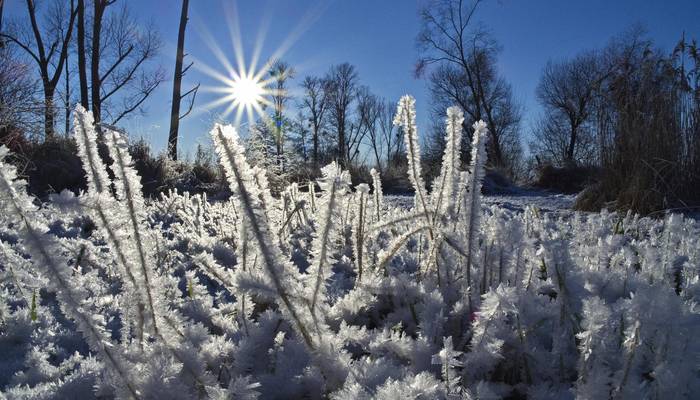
[245, 89]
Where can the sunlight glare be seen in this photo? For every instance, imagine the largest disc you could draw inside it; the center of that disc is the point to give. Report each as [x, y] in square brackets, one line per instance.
[244, 90]
[247, 91]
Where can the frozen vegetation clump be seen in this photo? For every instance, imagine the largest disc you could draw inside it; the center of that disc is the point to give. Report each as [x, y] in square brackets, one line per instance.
[328, 292]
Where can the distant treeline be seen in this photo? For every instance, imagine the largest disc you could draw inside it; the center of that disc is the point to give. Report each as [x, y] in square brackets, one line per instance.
[620, 122]
[631, 110]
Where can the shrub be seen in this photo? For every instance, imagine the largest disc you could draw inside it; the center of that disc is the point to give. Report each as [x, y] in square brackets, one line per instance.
[566, 179]
[395, 180]
[52, 166]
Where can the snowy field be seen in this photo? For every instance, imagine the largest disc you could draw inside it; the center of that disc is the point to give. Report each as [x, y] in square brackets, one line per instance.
[546, 202]
[339, 292]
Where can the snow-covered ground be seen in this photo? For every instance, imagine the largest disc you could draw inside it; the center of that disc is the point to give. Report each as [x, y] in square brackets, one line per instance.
[547, 202]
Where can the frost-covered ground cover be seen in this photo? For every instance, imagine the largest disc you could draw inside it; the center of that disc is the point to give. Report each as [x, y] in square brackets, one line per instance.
[334, 292]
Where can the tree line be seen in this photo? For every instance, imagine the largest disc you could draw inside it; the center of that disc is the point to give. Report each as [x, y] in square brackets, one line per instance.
[626, 115]
[113, 56]
[339, 118]
[336, 118]
[631, 110]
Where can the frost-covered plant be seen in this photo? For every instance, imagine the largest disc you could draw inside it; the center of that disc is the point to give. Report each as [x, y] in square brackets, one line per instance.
[50, 262]
[448, 181]
[406, 119]
[377, 195]
[279, 276]
[448, 358]
[336, 291]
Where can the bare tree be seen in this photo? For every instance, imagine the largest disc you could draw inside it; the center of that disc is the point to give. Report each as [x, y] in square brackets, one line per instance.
[175, 116]
[632, 111]
[566, 91]
[315, 105]
[99, 7]
[82, 62]
[280, 73]
[363, 122]
[391, 137]
[119, 56]
[66, 95]
[301, 138]
[466, 73]
[647, 126]
[18, 110]
[49, 49]
[368, 113]
[342, 91]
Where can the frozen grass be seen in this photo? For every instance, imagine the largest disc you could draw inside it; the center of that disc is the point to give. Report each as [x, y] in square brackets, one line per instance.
[339, 293]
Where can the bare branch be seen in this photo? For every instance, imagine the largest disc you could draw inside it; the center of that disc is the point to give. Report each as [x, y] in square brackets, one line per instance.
[24, 47]
[119, 60]
[192, 91]
[143, 96]
[184, 70]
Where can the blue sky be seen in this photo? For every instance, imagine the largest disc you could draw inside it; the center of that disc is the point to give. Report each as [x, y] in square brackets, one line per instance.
[378, 37]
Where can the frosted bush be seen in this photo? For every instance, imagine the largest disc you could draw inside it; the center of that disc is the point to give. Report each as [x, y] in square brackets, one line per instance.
[329, 291]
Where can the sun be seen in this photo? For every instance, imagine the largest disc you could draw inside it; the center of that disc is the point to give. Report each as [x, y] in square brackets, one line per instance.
[244, 90]
[243, 93]
[247, 91]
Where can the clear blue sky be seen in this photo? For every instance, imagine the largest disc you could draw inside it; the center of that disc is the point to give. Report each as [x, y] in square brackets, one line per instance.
[378, 37]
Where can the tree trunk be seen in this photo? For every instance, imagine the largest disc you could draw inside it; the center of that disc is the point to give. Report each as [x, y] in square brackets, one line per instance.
[95, 59]
[279, 146]
[82, 63]
[377, 157]
[341, 147]
[315, 139]
[497, 152]
[177, 84]
[495, 145]
[48, 111]
[68, 107]
[572, 145]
